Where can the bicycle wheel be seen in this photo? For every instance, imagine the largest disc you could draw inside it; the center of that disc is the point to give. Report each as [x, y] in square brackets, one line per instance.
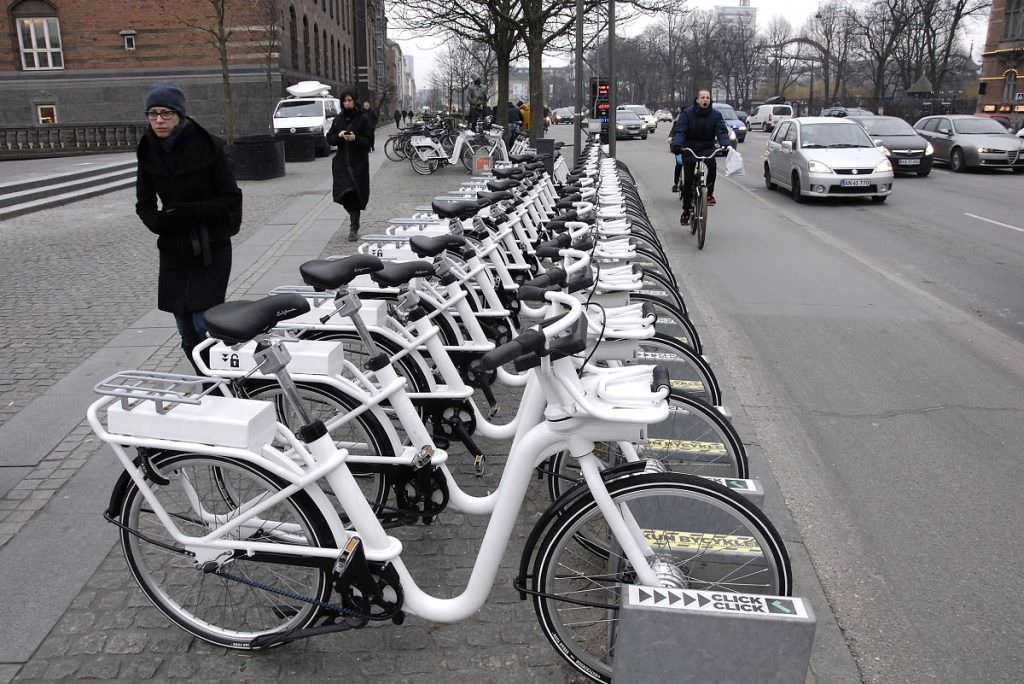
[690, 373]
[655, 284]
[223, 611]
[702, 221]
[703, 537]
[424, 167]
[361, 436]
[699, 199]
[466, 157]
[391, 148]
[695, 439]
[672, 321]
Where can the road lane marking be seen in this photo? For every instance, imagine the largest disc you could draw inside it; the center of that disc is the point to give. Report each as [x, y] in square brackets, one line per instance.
[988, 220]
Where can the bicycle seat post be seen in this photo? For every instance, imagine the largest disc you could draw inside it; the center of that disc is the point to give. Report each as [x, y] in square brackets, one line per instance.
[348, 305]
[272, 359]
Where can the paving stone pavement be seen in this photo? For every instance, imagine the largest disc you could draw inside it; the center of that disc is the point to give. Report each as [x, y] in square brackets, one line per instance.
[110, 631]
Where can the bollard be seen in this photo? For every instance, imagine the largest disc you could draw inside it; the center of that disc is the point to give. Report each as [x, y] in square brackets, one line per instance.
[684, 635]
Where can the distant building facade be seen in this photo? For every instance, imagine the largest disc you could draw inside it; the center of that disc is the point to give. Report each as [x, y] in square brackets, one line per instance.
[1001, 89]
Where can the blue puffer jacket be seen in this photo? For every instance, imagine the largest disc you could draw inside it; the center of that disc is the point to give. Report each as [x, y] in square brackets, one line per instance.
[699, 129]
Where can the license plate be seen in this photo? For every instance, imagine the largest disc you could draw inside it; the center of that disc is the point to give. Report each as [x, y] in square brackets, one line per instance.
[908, 162]
[855, 183]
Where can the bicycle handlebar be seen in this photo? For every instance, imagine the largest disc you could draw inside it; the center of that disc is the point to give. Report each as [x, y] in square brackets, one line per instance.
[718, 148]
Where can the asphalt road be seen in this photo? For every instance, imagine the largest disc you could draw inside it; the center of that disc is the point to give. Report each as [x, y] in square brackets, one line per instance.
[877, 351]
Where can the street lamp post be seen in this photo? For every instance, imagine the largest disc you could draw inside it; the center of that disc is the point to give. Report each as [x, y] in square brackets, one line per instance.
[612, 90]
[578, 118]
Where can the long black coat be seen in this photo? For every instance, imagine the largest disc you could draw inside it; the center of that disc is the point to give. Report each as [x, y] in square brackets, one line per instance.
[351, 164]
[200, 209]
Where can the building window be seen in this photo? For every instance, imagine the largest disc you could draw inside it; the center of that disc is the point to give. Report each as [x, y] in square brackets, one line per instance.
[39, 40]
[46, 114]
[316, 48]
[305, 43]
[1010, 89]
[128, 37]
[1013, 20]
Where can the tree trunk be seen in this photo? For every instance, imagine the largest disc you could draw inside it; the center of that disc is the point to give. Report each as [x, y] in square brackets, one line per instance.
[229, 107]
[535, 53]
[501, 106]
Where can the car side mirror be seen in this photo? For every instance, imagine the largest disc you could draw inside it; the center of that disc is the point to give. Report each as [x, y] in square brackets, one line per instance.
[878, 143]
[945, 131]
[787, 145]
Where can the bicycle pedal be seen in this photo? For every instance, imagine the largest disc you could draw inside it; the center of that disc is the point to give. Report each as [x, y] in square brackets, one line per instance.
[479, 462]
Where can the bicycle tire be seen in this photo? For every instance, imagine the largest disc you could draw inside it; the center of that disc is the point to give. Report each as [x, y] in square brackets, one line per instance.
[699, 197]
[672, 322]
[169, 584]
[702, 220]
[391, 146]
[705, 535]
[690, 373]
[661, 284]
[424, 167]
[466, 157]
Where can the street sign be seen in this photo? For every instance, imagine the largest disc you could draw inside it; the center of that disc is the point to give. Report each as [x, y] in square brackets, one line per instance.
[722, 602]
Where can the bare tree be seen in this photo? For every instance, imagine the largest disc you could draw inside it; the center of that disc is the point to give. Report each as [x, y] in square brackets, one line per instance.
[782, 55]
[880, 26]
[266, 33]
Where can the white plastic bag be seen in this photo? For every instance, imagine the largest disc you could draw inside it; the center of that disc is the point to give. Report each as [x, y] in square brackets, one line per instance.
[733, 163]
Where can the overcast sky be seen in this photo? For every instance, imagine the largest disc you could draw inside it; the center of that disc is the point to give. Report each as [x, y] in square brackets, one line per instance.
[796, 11]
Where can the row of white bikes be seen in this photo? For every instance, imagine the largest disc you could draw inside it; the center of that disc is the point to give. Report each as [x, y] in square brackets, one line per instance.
[264, 501]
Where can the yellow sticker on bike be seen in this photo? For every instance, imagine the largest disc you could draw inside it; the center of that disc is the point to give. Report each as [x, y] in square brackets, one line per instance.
[688, 385]
[701, 542]
[687, 446]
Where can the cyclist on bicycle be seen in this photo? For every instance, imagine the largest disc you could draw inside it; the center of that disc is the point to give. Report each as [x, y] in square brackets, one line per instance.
[699, 127]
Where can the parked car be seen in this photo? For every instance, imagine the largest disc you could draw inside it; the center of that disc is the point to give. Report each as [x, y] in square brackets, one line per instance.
[629, 125]
[846, 111]
[967, 141]
[562, 115]
[309, 110]
[650, 121]
[731, 120]
[907, 151]
[664, 115]
[767, 116]
[742, 115]
[826, 157]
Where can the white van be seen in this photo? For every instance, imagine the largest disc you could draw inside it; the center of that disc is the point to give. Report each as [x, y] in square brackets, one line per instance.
[767, 116]
[309, 110]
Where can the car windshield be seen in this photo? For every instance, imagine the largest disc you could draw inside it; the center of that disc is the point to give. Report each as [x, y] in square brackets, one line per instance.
[834, 135]
[299, 108]
[978, 126]
[727, 112]
[639, 111]
[625, 115]
[885, 126]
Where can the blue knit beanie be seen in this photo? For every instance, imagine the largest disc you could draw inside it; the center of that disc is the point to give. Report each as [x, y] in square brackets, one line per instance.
[168, 95]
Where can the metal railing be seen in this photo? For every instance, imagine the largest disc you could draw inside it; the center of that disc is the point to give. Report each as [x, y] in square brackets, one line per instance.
[20, 142]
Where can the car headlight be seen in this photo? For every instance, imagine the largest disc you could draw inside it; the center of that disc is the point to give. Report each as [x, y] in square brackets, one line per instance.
[989, 150]
[929, 150]
[818, 167]
[884, 167]
[618, 126]
[741, 128]
[884, 150]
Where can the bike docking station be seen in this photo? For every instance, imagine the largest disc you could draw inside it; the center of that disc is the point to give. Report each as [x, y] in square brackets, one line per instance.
[686, 635]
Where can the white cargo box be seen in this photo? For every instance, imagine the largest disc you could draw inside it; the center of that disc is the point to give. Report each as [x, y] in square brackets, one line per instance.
[216, 420]
[309, 357]
[374, 313]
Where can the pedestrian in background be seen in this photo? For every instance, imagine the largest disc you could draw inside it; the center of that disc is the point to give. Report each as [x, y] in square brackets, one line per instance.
[398, 118]
[200, 208]
[352, 134]
[514, 119]
[524, 113]
[372, 118]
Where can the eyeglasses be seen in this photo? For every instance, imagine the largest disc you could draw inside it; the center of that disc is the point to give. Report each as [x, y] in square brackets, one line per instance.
[163, 115]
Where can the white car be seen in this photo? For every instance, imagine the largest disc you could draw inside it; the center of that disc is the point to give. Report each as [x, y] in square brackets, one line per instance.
[309, 111]
[826, 157]
[650, 121]
[664, 115]
[767, 117]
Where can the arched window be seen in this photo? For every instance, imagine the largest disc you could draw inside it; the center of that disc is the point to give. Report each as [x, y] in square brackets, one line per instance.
[305, 43]
[330, 8]
[1010, 89]
[38, 35]
[331, 73]
[293, 32]
[316, 48]
[337, 12]
[327, 63]
[1013, 20]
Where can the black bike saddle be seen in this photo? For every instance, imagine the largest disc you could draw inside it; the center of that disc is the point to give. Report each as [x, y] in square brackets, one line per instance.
[461, 209]
[398, 273]
[499, 185]
[509, 172]
[496, 196]
[330, 274]
[240, 321]
[425, 246]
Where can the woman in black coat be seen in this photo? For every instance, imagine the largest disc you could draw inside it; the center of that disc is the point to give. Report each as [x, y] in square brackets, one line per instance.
[351, 133]
[200, 208]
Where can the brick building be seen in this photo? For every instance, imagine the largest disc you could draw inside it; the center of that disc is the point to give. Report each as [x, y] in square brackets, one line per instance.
[1002, 68]
[92, 61]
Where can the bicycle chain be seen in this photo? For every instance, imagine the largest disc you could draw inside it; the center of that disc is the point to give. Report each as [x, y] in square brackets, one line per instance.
[341, 610]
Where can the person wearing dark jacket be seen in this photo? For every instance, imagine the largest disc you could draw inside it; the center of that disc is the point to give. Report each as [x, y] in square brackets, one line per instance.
[372, 116]
[200, 208]
[351, 133]
[699, 127]
[515, 118]
[398, 118]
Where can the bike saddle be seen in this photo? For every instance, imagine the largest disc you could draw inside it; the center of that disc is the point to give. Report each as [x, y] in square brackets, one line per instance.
[534, 166]
[519, 158]
[509, 172]
[497, 196]
[330, 274]
[567, 202]
[426, 246]
[462, 209]
[240, 321]
[499, 185]
[398, 273]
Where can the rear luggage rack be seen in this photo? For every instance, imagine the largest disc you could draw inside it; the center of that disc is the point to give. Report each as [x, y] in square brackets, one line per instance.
[163, 389]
